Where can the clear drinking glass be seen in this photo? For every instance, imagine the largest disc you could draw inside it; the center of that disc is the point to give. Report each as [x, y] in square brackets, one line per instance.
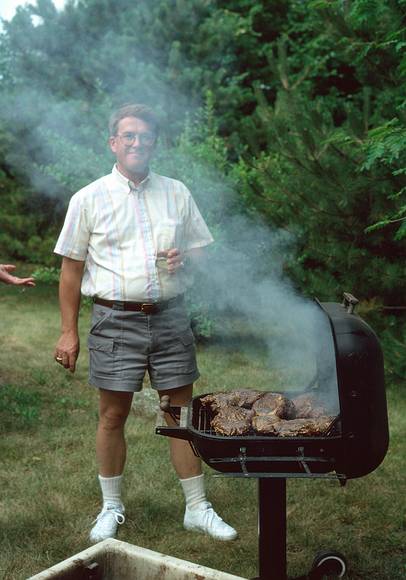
[161, 260]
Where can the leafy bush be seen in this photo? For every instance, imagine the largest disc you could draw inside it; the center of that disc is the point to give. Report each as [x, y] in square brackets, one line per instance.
[390, 327]
[47, 274]
[202, 322]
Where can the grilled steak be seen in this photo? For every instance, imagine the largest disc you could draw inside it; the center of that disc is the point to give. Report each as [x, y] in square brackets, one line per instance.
[266, 424]
[307, 406]
[232, 421]
[241, 411]
[275, 404]
[217, 401]
[242, 398]
[303, 427]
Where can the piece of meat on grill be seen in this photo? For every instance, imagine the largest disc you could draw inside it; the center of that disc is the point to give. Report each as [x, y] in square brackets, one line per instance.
[276, 404]
[308, 406]
[303, 427]
[232, 421]
[266, 424]
[217, 401]
[238, 398]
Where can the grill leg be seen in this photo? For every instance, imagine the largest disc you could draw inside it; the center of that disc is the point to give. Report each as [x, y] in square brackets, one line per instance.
[272, 528]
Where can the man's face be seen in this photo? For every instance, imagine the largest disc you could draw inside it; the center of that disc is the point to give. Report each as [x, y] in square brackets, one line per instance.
[133, 145]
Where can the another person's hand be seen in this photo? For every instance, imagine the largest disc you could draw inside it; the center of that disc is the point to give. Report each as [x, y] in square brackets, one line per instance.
[174, 260]
[67, 350]
[8, 278]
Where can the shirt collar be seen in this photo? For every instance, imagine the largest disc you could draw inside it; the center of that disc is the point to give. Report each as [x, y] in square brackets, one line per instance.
[123, 180]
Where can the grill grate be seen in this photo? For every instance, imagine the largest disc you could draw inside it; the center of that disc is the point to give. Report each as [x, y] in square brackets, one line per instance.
[203, 422]
[205, 415]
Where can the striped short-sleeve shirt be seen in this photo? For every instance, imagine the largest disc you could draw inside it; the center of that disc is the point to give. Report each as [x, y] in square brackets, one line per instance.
[118, 229]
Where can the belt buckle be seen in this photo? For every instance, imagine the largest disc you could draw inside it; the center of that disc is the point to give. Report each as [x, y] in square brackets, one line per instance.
[147, 308]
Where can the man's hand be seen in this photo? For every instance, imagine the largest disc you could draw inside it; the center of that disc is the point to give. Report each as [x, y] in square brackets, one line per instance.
[67, 350]
[8, 278]
[67, 347]
[174, 259]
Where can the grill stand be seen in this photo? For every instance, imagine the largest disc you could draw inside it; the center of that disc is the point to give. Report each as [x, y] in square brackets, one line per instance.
[272, 538]
[272, 528]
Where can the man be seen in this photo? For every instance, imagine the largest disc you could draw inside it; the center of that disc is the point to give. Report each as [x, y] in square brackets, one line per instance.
[125, 242]
[8, 278]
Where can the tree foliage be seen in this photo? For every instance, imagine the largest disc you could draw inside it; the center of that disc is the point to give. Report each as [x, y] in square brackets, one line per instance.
[297, 107]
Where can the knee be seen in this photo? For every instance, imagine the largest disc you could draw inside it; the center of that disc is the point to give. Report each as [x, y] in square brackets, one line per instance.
[111, 419]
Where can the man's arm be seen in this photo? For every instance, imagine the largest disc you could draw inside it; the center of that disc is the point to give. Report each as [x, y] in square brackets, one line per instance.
[8, 278]
[67, 347]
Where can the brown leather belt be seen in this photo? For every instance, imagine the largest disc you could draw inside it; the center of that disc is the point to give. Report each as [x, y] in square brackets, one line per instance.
[145, 307]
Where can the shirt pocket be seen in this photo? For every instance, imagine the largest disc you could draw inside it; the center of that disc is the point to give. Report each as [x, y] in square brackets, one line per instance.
[169, 235]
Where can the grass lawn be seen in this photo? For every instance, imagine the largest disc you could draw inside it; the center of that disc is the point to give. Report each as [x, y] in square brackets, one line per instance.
[48, 477]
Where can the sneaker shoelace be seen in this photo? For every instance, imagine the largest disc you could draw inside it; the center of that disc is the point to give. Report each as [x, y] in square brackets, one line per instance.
[210, 516]
[115, 512]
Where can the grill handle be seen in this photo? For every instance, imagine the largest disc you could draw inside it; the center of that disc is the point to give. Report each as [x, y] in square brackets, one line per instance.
[349, 302]
[179, 415]
[175, 432]
[165, 406]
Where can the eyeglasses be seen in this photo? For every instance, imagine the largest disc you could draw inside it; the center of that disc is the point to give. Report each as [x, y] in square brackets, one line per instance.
[144, 138]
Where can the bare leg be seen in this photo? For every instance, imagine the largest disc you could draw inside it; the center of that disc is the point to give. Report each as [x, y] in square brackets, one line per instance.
[114, 407]
[183, 459]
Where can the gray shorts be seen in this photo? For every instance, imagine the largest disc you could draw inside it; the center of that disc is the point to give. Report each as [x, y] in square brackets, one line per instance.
[123, 345]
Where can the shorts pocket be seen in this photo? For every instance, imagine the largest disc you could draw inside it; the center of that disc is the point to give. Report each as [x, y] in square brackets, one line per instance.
[99, 317]
[186, 360]
[103, 361]
[187, 338]
[100, 343]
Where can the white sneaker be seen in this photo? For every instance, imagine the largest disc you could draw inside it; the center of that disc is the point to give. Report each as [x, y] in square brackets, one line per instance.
[107, 522]
[206, 520]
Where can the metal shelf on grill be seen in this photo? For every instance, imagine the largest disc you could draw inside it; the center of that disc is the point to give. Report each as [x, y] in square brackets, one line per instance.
[244, 460]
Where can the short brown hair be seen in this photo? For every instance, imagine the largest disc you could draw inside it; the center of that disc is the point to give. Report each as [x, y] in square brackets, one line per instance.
[139, 111]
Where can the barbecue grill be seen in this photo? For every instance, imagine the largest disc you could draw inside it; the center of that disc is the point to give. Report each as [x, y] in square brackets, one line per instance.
[354, 444]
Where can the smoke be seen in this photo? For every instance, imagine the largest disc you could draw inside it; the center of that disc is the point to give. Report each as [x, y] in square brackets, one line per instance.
[60, 80]
[256, 307]
[60, 144]
[245, 288]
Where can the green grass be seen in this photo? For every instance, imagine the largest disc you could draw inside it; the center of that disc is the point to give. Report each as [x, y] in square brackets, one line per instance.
[48, 477]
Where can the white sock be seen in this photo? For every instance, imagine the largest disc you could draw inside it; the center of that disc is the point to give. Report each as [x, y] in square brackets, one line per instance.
[194, 491]
[111, 489]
